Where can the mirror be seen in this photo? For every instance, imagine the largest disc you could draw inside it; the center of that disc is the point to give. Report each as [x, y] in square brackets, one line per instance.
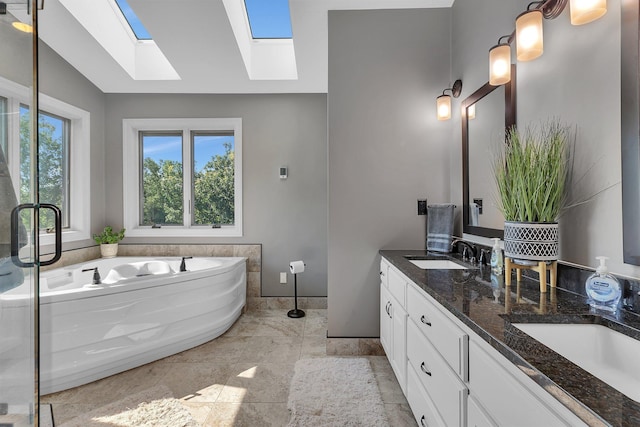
[486, 114]
[630, 127]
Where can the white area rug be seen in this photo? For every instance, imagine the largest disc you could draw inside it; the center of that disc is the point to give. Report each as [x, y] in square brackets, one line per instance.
[153, 407]
[335, 392]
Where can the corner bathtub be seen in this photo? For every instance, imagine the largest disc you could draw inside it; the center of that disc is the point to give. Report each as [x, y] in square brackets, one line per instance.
[144, 310]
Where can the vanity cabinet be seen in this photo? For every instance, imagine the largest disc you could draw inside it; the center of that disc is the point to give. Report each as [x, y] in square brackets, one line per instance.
[393, 321]
[451, 376]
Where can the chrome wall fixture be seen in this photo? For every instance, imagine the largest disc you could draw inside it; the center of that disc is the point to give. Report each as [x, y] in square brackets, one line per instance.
[528, 33]
[443, 102]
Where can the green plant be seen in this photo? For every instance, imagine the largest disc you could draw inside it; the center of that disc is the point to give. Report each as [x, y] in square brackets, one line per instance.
[532, 171]
[108, 236]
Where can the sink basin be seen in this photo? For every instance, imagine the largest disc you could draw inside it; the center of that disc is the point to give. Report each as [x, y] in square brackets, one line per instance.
[606, 354]
[439, 264]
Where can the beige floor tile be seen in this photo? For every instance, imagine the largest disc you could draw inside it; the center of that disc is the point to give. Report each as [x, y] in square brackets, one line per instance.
[271, 350]
[248, 415]
[199, 411]
[63, 412]
[267, 326]
[399, 415]
[315, 326]
[258, 383]
[197, 382]
[313, 346]
[224, 347]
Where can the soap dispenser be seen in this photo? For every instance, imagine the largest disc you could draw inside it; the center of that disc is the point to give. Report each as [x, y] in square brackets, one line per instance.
[603, 289]
[497, 261]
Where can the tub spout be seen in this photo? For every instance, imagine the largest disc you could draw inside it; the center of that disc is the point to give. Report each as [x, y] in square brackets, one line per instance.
[183, 265]
[96, 275]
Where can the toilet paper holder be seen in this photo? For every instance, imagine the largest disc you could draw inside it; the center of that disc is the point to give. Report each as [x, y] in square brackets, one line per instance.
[296, 267]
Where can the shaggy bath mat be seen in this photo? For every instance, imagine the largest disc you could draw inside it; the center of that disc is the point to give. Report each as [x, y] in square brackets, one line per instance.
[154, 407]
[335, 392]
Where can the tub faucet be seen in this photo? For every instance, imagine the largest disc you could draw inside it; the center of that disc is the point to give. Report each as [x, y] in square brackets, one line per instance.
[183, 265]
[468, 246]
[96, 275]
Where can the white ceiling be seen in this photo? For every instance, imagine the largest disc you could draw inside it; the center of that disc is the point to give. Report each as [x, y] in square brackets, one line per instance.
[196, 38]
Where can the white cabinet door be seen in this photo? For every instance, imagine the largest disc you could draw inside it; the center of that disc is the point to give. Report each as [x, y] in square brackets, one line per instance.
[399, 360]
[476, 416]
[386, 322]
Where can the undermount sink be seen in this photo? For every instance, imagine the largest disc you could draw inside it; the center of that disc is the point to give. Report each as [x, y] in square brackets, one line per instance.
[437, 264]
[606, 354]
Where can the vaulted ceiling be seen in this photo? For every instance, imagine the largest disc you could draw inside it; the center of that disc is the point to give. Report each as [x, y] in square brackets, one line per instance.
[198, 42]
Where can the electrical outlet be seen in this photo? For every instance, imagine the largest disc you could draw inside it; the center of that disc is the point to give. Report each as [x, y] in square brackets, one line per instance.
[283, 277]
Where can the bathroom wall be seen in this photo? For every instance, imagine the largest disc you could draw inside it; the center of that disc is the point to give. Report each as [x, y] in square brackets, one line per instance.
[386, 149]
[577, 79]
[58, 79]
[288, 217]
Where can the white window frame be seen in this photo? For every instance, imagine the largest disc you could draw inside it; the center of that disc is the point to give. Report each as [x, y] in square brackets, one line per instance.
[79, 161]
[131, 164]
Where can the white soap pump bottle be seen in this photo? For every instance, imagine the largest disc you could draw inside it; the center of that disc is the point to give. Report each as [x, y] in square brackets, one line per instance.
[603, 289]
[497, 261]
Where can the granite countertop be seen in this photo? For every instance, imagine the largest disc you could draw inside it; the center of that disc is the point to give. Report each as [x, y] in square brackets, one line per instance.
[490, 309]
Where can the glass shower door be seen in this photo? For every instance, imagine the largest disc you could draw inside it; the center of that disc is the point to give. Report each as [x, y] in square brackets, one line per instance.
[19, 390]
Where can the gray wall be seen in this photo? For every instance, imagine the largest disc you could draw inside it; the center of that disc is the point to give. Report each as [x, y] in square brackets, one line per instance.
[386, 149]
[288, 217]
[58, 79]
[577, 79]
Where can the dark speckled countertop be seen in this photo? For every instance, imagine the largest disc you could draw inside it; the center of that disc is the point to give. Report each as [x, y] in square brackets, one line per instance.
[490, 309]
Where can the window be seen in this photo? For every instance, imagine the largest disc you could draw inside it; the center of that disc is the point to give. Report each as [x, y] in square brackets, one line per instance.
[183, 177]
[53, 155]
[64, 158]
[134, 22]
[269, 20]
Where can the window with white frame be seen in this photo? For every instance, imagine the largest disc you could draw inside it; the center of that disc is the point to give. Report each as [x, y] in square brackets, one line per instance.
[63, 158]
[182, 177]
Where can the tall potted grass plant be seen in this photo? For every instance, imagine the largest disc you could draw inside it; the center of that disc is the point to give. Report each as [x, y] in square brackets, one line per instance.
[531, 173]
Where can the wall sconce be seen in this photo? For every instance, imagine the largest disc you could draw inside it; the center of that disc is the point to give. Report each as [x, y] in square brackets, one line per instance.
[585, 11]
[500, 62]
[443, 102]
[529, 42]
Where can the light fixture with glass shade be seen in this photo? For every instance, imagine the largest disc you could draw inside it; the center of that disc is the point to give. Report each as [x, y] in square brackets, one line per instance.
[500, 62]
[585, 11]
[529, 42]
[443, 102]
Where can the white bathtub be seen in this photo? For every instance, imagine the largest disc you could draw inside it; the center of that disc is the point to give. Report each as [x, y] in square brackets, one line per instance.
[144, 310]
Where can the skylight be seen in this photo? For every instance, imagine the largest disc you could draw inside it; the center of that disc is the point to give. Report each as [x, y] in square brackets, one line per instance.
[138, 29]
[269, 19]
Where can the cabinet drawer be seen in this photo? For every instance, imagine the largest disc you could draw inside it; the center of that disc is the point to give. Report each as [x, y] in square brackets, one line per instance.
[421, 405]
[384, 271]
[447, 391]
[397, 285]
[505, 397]
[452, 343]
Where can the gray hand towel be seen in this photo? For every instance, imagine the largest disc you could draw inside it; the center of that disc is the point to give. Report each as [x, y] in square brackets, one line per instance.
[440, 227]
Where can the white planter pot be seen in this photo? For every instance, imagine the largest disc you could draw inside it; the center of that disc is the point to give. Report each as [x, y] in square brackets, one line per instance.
[531, 241]
[109, 250]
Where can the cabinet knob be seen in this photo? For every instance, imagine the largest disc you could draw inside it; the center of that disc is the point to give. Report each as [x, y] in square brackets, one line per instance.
[423, 421]
[425, 321]
[423, 368]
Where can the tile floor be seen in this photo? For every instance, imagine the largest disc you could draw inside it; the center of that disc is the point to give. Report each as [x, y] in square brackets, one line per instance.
[239, 379]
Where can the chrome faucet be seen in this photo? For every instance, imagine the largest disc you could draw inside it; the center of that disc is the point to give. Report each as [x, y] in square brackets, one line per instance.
[183, 265]
[468, 246]
[96, 275]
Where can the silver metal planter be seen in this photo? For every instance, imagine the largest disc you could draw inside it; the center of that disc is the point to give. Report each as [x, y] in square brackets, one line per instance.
[531, 241]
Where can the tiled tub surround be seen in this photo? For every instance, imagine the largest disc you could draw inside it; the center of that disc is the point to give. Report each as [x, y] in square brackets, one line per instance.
[253, 253]
[490, 312]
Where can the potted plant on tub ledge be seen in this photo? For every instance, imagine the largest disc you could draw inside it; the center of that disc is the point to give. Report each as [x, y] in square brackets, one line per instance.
[531, 173]
[108, 241]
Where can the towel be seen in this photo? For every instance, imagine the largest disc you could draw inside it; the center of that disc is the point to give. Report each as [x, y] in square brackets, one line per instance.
[474, 213]
[440, 227]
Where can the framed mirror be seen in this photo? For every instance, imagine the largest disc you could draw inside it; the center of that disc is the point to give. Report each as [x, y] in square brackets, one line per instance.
[630, 126]
[486, 113]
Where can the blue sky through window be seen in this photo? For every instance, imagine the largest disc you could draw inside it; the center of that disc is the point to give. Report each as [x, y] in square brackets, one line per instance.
[169, 147]
[135, 24]
[269, 19]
